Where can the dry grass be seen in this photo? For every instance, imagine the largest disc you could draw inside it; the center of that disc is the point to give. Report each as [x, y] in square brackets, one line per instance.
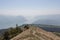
[35, 33]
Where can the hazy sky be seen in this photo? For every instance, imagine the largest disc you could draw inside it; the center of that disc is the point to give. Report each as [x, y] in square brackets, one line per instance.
[29, 8]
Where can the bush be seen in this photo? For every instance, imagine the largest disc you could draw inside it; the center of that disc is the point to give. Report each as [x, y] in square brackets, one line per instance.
[6, 36]
[26, 27]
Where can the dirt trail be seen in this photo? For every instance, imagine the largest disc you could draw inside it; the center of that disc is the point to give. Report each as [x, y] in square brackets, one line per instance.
[35, 33]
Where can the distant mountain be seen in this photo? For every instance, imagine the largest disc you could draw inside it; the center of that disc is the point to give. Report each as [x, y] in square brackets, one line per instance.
[48, 19]
[50, 28]
[7, 21]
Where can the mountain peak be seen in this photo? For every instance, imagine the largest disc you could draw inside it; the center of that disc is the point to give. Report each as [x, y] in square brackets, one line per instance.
[36, 33]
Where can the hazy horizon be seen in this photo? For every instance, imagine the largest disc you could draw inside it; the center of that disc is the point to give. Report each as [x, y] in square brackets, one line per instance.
[29, 8]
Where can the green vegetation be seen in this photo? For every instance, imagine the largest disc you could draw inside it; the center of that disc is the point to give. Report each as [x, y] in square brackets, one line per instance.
[57, 33]
[6, 36]
[26, 27]
[12, 32]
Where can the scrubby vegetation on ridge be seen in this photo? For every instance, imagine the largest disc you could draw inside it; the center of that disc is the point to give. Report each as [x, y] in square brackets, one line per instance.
[12, 32]
[19, 29]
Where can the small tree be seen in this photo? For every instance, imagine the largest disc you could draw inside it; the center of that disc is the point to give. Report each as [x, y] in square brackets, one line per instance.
[6, 36]
[16, 25]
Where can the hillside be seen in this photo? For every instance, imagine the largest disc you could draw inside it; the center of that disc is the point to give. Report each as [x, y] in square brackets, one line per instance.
[9, 21]
[2, 31]
[48, 19]
[36, 33]
[49, 28]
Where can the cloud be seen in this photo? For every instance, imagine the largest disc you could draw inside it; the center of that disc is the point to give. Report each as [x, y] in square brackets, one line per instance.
[28, 12]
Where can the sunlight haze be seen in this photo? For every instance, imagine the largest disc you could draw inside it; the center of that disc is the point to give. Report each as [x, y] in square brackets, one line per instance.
[29, 8]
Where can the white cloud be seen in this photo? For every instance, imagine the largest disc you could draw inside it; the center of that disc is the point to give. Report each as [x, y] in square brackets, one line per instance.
[28, 13]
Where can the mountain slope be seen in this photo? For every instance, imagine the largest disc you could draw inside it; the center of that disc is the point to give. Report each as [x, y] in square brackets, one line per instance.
[2, 31]
[48, 19]
[8, 21]
[35, 33]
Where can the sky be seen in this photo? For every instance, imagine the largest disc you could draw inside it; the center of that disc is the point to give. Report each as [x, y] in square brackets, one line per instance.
[29, 8]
